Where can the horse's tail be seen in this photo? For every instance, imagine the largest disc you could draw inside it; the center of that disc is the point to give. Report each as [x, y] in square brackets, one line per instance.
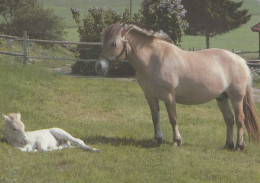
[251, 116]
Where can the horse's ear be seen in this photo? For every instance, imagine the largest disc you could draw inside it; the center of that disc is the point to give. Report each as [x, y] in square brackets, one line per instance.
[126, 29]
[7, 118]
[18, 115]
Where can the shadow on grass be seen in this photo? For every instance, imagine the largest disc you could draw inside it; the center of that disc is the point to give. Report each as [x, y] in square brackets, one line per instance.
[117, 141]
[2, 140]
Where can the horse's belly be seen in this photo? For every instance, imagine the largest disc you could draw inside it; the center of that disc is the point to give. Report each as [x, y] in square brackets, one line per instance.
[44, 136]
[196, 95]
[192, 100]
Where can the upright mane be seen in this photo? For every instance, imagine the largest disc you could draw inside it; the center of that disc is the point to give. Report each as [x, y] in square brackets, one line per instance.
[115, 29]
[148, 31]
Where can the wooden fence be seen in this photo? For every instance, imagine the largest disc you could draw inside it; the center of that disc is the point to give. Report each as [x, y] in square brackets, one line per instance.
[26, 56]
[26, 44]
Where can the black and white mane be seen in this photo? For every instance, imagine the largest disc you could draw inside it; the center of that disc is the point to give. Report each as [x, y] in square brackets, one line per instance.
[115, 29]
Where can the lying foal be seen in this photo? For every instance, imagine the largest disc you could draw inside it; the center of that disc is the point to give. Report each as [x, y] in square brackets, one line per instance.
[42, 140]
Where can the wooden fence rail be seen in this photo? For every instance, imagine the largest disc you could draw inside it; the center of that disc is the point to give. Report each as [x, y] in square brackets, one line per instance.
[26, 41]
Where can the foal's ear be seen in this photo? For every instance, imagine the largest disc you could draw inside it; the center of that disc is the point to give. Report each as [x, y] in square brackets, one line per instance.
[18, 114]
[7, 118]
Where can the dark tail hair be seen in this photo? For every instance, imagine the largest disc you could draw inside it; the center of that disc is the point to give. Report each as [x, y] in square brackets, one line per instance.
[251, 116]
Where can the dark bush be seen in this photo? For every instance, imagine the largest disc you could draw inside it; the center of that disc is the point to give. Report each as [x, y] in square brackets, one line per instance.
[168, 16]
[30, 16]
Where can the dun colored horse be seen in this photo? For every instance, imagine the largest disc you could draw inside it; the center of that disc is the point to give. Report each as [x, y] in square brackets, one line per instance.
[168, 73]
[39, 140]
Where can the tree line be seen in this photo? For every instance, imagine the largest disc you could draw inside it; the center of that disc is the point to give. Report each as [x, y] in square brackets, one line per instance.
[176, 17]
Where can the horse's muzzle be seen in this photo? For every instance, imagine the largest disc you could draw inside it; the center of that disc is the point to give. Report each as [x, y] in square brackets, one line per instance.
[102, 66]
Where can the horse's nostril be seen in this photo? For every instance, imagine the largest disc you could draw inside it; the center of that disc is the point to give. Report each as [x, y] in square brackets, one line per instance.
[101, 67]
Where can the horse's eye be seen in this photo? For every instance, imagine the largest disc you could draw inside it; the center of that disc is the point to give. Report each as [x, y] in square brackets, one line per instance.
[114, 44]
[14, 129]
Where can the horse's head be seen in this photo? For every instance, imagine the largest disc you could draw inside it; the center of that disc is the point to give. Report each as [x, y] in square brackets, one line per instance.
[114, 48]
[14, 130]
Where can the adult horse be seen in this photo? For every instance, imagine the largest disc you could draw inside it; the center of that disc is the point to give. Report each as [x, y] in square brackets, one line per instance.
[167, 73]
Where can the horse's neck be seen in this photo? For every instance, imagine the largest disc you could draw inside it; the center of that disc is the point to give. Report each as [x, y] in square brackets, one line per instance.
[136, 56]
[143, 48]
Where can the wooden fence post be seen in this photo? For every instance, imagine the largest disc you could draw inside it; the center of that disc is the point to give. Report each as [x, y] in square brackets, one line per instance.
[131, 8]
[25, 58]
[259, 45]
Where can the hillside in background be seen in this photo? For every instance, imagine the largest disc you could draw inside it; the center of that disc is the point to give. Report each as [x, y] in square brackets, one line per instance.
[62, 7]
[239, 39]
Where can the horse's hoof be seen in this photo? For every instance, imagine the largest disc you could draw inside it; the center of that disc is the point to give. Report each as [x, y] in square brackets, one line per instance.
[177, 142]
[95, 150]
[229, 146]
[157, 141]
[239, 147]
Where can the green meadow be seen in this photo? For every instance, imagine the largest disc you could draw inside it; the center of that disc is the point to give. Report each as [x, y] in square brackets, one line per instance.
[113, 115]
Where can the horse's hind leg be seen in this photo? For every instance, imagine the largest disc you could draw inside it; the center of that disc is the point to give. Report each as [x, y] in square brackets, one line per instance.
[171, 109]
[239, 117]
[154, 106]
[62, 135]
[228, 116]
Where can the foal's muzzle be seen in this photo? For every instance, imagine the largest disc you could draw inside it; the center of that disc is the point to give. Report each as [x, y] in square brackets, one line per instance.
[24, 141]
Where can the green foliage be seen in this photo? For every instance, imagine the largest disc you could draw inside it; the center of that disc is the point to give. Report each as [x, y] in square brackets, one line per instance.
[209, 18]
[30, 16]
[166, 15]
[90, 30]
[94, 23]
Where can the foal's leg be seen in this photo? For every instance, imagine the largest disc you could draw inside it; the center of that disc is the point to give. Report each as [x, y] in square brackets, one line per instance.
[154, 106]
[62, 135]
[239, 117]
[228, 116]
[171, 109]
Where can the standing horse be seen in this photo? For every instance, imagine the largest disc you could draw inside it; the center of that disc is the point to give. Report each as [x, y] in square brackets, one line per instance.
[167, 73]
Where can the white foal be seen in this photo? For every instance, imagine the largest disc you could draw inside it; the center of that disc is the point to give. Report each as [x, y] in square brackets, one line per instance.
[39, 140]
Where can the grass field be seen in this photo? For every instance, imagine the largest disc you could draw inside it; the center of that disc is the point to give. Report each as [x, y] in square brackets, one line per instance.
[113, 115]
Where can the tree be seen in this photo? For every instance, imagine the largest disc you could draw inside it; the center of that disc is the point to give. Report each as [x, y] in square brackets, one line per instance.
[212, 17]
[30, 16]
[166, 15]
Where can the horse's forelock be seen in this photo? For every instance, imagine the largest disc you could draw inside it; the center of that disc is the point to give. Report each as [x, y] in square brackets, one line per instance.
[111, 32]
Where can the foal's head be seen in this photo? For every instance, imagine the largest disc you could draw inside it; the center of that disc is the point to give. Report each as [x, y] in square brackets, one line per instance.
[14, 130]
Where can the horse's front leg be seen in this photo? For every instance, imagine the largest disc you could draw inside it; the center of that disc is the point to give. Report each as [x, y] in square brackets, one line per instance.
[154, 106]
[170, 104]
